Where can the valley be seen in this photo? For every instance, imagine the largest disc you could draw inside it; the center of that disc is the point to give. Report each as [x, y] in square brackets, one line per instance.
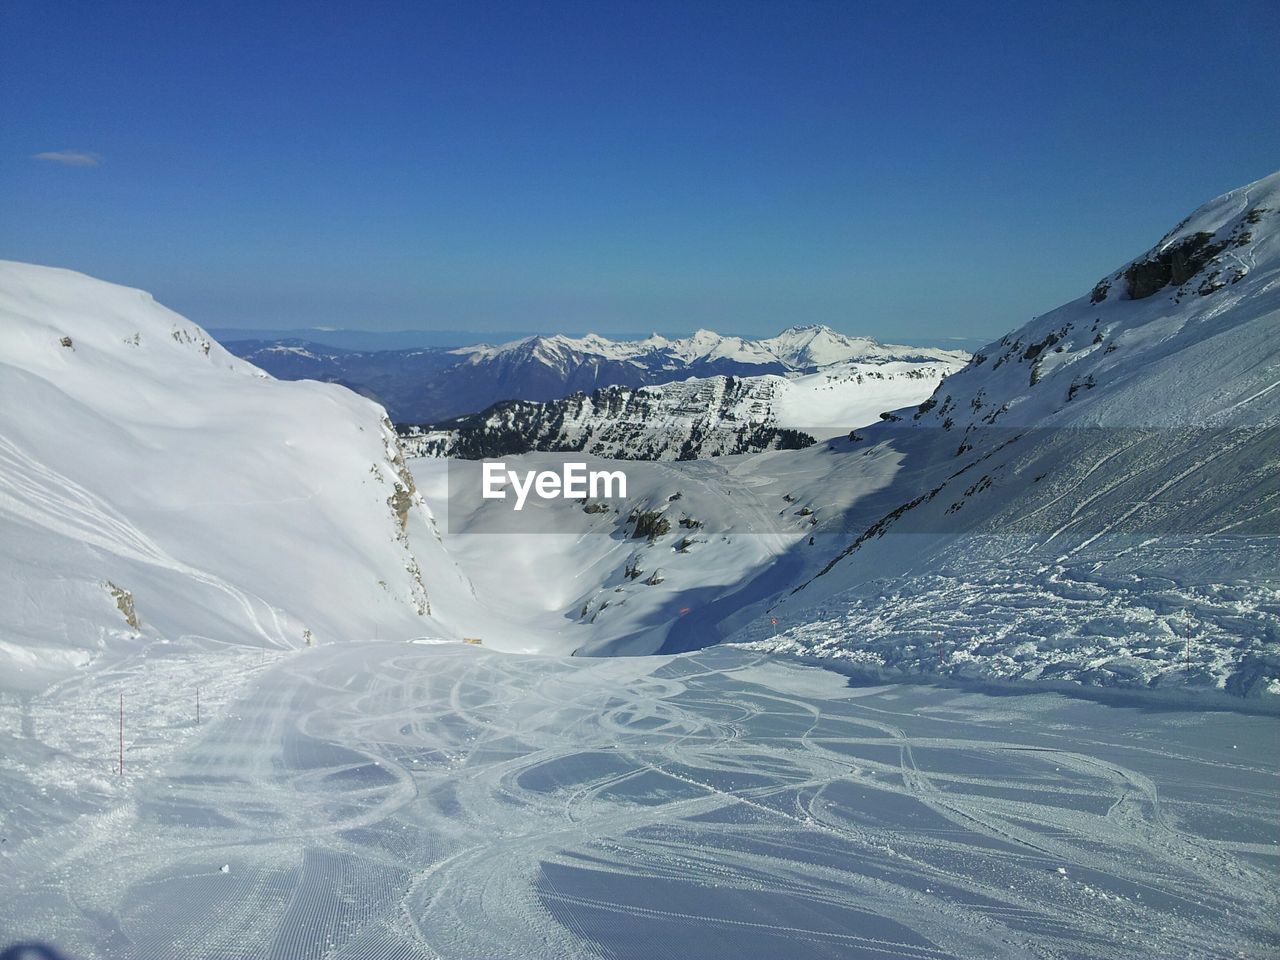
[639, 481]
[840, 697]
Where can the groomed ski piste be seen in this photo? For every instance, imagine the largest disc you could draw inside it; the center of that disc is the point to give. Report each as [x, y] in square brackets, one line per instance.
[632, 763]
[401, 800]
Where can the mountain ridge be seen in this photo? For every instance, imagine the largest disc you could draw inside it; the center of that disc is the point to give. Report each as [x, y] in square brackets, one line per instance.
[427, 386]
[155, 488]
[688, 419]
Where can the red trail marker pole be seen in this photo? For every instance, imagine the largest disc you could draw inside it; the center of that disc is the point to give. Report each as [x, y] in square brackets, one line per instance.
[122, 734]
[1186, 648]
[197, 706]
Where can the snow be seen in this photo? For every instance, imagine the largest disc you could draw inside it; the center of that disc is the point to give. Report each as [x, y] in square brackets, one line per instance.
[1082, 485]
[846, 396]
[145, 458]
[1090, 501]
[1179, 357]
[698, 417]
[816, 346]
[796, 349]
[379, 800]
[554, 581]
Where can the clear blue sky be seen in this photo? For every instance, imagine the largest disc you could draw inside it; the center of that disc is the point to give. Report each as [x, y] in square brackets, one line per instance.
[902, 170]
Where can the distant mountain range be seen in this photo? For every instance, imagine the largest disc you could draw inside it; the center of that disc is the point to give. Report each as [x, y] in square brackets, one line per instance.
[369, 340]
[431, 385]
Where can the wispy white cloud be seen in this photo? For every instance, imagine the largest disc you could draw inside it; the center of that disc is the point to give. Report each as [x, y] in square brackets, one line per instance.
[69, 158]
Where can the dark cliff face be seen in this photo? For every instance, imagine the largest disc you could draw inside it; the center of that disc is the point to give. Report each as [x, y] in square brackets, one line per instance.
[675, 422]
[1174, 265]
[1178, 263]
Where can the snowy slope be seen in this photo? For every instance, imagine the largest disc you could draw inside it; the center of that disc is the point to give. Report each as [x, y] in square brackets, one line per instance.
[1094, 497]
[146, 473]
[568, 576]
[404, 801]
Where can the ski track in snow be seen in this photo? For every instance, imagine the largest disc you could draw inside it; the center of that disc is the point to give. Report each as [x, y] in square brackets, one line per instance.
[403, 801]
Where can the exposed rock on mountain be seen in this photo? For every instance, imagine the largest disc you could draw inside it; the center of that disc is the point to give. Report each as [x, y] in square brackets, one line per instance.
[690, 419]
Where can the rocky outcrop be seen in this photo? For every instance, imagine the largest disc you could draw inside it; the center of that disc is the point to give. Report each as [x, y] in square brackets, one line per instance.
[402, 500]
[1176, 264]
[719, 416]
[650, 525]
[405, 493]
[124, 603]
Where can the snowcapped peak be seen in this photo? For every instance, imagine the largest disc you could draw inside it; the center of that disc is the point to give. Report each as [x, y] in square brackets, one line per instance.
[1220, 240]
[813, 346]
[802, 328]
[1224, 211]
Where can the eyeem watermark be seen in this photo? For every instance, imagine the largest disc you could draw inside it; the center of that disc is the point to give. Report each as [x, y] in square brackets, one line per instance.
[573, 482]
[979, 483]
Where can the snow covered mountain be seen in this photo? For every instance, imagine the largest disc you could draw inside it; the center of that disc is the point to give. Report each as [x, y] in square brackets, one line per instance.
[154, 487]
[694, 418]
[429, 386]
[1095, 497]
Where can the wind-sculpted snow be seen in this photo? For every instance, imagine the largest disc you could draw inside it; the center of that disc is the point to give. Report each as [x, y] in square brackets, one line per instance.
[1001, 609]
[392, 800]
